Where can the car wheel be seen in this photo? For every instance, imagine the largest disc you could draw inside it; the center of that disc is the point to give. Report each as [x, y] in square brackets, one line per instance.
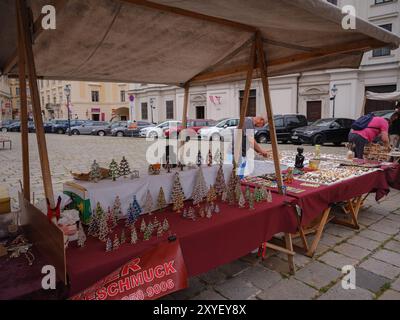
[120, 134]
[4, 130]
[101, 133]
[153, 135]
[60, 131]
[75, 132]
[216, 137]
[318, 139]
[263, 139]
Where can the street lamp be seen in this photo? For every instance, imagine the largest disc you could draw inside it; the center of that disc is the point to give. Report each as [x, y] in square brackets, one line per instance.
[152, 107]
[67, 91]
[334, 92]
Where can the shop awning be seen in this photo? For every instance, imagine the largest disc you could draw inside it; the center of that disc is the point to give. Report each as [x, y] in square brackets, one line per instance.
[174, 41]
[391, 96]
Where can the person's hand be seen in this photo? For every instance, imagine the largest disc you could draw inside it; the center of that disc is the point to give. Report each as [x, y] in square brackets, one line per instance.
[264, 153]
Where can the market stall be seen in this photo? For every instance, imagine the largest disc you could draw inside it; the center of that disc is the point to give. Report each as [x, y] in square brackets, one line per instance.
[202, 42]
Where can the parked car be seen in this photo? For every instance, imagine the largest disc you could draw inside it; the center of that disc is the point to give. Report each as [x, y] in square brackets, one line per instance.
[126, 131]
[61, 126]
[387, 114]
[86, 127]
[158, 131]
[193, 127]
[220, 132]
[284, 125]
[14, 127]
[5, 124]
[323, 131]
[106, 129]
[47, 126]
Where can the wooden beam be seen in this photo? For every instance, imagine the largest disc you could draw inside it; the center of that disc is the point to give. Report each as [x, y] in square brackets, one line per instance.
[24, 115]
[26, 45]
[245, 103]
[268, 106]
[185, 106]
[192, 14]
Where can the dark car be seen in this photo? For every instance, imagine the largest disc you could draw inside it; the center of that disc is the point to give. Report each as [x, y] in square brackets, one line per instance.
[125, 131]
[14, 127]
[61, 126]
[47, 126]
[284, 125]
[5, 124]
[330, 130]
[107, 128]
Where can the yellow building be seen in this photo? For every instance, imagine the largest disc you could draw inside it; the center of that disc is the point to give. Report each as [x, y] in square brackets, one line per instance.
[16, 99]
[5, 99]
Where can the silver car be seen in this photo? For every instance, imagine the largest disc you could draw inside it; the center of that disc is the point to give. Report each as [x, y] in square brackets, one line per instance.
[87, 127]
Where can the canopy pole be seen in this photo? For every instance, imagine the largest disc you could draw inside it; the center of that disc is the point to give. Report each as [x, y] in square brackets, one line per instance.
[26, 45]
[24, 115]
[245, 103]
[184, 120]
[267, 98]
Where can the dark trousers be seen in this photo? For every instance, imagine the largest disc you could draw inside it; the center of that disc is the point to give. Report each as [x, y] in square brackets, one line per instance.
[359, 144]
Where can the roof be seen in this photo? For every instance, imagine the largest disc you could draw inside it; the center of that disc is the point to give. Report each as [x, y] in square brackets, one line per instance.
[174, 41]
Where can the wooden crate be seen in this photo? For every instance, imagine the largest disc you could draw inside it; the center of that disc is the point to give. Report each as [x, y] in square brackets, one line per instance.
[5, 202]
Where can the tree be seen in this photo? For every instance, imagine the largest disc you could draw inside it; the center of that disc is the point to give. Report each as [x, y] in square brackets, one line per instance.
[134, 211]
[251, 201]
[113, 170]
[124, 169]
[95, 220]
[134, 237]
[116, 242]
[160, 231]
[111, 219]
[148, 203]
[103, 228]
[258, 196]
[177, 197]
[123, 236]
[242, 200]
[211, 195]
[81, 236]
[143, 226]
[220, 185]
[161, 202]
[200, 188]
[95, 174]
[238, 190]
[247, 193]
[232, 186]
[165, 225]
[117, 211]
[148, 232]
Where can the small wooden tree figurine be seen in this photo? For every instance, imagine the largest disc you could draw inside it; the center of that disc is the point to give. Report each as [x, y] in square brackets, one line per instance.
[143, 226]
[220, 185]
[161, 202]
[134, 237]
[242, 200]
[81, 236]
[95, 174]
[209, 158]
[177, 197]
[95, 221]
[123, 236]
[148, 203]
[124, 169]
[109, 245]
[211, 195]
[117, 211]
[114, 170]
[165, 225]
[103, 228]
[134, 211]
[200, 188]
[116, 242]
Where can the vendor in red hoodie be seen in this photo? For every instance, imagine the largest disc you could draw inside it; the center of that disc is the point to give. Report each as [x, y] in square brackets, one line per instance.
[378, 127]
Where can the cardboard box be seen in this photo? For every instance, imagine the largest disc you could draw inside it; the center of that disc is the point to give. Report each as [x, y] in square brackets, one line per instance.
[5, 202]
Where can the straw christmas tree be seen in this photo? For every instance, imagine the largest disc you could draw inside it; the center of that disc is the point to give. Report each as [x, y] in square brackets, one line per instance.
[113, 170]
[134, 237]
[238, 190]
[116, 242]
[242, 200]
[160, 231]
[251, 201]
[231, 187]
[95, 174]
[161, 202]
[117, 211]
[111, 219]
[258, 197]
[165, 225]
[147, 234]
[95, 220]
[156, 223]
[200, 188]
[148, 203]
[211, 195]
[247, 193]
[224, 196]
[209, 159]
[220, 185]
[143, 226]
[177, 197]
[109, 245]
[150, 228]
[81, 236]
[134, 211]
[124, 169]
[103, 228]
[123, 236]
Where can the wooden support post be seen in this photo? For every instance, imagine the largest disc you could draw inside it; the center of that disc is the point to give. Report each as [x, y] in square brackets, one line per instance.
[264, 77]
[26, 45]
[24, 116]
[185, 106]
[245, 103]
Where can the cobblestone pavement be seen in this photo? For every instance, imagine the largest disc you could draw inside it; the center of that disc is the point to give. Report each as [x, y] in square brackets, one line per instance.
[374, 250]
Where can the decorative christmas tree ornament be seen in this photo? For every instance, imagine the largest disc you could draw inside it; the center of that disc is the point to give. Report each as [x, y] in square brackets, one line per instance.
[202, 213]
[199, 159]
[209, 212]
[242, 200]
[109, 245]
[160, 231]
[191, 214]
[123, 236]
[124, 169]
[156, 223]
[95, 174]
[209, 158]
[251, 201]
[117, 211]
[216, 209]
[134, 237]
[166, 225]
[135, 174]
[111, 221]
[148, 203]
[150, 228]
[185, 213]
[161, 202]
[247, 193]
[220, 185]
[258, 194]
[211, 195]
[217, 157]
[264, 193]
[232, 186]
[94, 225]
[114, 170]
[103, 228]
[81, 236]
[137, 210]
[116, 242]
[130, 219]
[269, 196]
[238, 190]
[200, 188]
[224, 196]
[177, 197]
[143, 226]
[147, 233]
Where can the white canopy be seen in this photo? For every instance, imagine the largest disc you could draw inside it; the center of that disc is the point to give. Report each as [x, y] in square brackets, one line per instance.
[391, 96]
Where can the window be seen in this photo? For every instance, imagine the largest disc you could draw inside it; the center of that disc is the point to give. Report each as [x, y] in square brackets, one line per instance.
[122, 95]
[95, 96]
[382, 52]
[334, 2]
[169, 109]
[382, 1]
[55, 100]
[145, 112]
[251, 108]
[17, 91]
[292, 121]
[279, 122]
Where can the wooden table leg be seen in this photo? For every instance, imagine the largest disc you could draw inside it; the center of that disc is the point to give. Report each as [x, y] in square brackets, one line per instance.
[354, 209]
[310, 253]
[289, 246]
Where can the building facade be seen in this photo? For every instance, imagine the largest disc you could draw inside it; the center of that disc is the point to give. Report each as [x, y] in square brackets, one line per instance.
[308, 93]
[5, 99]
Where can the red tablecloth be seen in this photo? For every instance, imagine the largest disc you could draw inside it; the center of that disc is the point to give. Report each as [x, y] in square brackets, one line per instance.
[205, 243]
[393, 175]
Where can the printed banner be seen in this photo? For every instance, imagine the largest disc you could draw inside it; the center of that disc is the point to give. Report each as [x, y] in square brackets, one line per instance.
[158, 272]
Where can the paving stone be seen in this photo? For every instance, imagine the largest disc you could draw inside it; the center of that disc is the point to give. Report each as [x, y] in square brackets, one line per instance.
[317, 274]
[251, 258]
[365, 221]
[381, 268]
[208, 295]
[390, 205]
[396, 285]
[213, 277]
[260, 277]
[368, 280]
[384, 227]
[397, 237]
[321, 249]
[388, 256]
[394, 217]
[276, 264]
[234, 268]
[338, 293]
[393, 245]
[373, 213]
[364, 243]
[299, 260]
[237, 289]
[339, 231]
[330, 240]
[352, 251]
[194, 288]
[374, 235]
[337, 260]
[288, 289]
[390, 295]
